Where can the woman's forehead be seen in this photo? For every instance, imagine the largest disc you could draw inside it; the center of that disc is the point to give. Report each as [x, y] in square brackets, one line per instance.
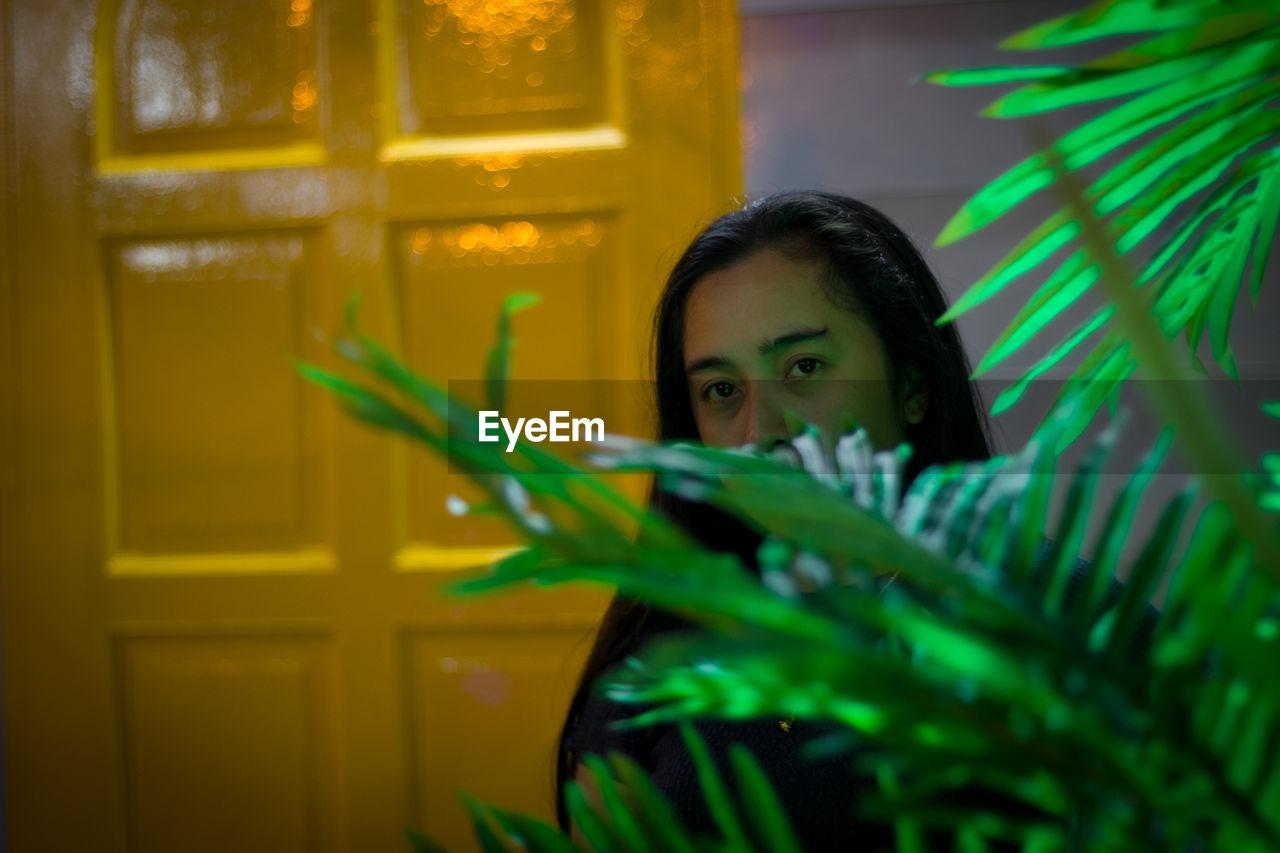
[756, 301]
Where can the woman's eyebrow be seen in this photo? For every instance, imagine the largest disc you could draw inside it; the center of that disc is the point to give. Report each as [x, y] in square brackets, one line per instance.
[765, 348]
[790, 338]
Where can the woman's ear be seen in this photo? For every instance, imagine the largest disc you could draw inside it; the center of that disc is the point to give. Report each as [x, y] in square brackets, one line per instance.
[915, 397]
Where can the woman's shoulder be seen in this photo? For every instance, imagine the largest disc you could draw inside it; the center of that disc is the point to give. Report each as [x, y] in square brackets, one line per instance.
[596, 729]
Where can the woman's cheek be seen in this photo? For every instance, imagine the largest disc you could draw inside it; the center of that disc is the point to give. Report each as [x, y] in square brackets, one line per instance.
[713, 429]
[869, 406]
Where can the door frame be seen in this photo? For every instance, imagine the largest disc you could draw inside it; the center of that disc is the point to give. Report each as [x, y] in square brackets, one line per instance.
[10, 456]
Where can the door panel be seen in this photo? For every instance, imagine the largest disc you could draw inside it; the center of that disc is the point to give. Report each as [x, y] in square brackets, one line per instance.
[215, 449]
[221, 599]
[194, 710]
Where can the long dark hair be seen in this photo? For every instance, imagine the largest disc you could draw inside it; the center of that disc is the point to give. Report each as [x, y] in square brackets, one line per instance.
[872, 267]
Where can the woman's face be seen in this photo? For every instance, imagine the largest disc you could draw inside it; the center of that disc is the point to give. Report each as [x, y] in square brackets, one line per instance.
[761, 337]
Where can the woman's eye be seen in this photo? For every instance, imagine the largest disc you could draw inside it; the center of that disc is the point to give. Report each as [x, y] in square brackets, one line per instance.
[806, 366]
[718, 391]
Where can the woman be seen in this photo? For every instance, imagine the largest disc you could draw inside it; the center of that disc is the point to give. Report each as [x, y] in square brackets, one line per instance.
[811, 303]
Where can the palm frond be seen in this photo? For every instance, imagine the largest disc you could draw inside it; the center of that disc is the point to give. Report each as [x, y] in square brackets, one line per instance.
[1078, 661]
[643, 821]
[1205, 84]
[1270, 499]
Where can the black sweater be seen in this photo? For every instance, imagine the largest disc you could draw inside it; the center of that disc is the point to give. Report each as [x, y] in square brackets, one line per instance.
[819, 795]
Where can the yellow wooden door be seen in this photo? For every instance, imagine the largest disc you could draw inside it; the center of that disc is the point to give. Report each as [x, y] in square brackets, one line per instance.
[219, 596]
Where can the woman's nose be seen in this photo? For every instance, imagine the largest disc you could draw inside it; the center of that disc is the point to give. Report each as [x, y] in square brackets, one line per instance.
[765, 426]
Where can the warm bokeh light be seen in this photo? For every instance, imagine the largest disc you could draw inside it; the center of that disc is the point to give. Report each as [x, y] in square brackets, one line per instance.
[490, 29]
[299, 13]
[513, 242]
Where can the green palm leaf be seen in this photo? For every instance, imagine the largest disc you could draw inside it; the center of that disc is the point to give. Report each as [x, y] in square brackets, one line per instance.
[1108, 132]
[761, 804]
[626, 825]
[1205, 82]
[645, 822]
[1126, 17]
